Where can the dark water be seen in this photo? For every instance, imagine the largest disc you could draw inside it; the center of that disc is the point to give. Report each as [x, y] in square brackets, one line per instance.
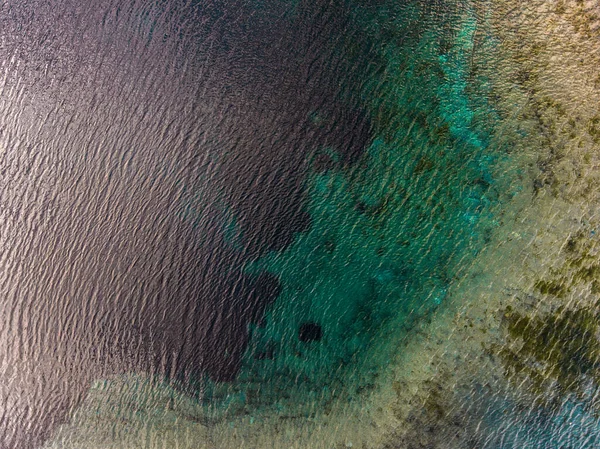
[131, 134]
[252, 201]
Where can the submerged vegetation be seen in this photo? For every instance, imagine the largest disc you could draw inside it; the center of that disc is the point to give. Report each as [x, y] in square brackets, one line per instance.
[559, 351]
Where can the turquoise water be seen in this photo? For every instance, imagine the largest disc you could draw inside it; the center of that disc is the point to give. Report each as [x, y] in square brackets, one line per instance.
[388, 236]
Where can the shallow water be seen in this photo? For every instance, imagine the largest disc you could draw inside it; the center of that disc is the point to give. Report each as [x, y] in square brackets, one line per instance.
[293, 224]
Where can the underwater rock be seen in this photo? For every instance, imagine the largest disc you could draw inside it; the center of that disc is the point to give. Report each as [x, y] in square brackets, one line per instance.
[310, 331]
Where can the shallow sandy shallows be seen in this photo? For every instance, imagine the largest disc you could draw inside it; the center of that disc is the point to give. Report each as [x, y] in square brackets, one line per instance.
[547, 82]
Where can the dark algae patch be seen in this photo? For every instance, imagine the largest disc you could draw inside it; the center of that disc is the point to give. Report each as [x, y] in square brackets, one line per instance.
[559, 349]
[551, 288]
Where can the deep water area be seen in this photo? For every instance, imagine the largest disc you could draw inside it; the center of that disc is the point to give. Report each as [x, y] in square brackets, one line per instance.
[303, 224]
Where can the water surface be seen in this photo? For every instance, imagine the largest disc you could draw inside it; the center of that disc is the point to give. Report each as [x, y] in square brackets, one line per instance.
[274, 223]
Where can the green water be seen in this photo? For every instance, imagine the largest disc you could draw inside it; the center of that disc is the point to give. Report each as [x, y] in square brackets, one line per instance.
[389, 236]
